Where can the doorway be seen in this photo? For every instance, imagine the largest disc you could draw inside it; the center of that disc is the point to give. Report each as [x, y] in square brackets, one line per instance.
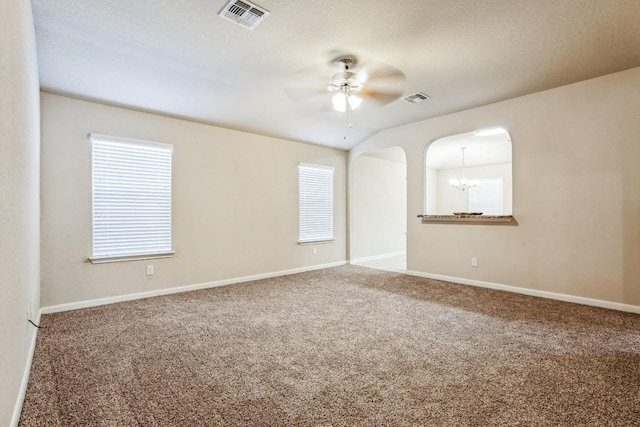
[379, 210]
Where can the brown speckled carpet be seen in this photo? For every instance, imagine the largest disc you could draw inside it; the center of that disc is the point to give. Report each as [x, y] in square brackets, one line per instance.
[346, 346]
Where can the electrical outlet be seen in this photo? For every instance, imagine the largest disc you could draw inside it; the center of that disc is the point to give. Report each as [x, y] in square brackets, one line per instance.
[474, 262]
[150, 270]
[314, 251]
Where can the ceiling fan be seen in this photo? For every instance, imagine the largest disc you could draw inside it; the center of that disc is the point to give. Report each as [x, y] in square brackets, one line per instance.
[344, 83]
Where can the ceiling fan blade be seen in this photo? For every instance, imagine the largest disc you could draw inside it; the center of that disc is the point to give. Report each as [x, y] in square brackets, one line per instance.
[384, 83]
[309, 98]
[380, 96]
[380, 71]
[302, 93]
[308, 86]
[319, 72]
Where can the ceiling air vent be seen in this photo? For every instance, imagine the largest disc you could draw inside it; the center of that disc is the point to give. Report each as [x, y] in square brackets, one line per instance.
[415, 98]
[244, 13]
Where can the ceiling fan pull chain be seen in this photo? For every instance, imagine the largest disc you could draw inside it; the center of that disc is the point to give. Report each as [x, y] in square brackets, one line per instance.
[347, 93]
[348, 108]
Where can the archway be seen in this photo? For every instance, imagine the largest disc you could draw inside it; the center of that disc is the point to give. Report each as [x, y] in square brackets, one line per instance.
[488, 185]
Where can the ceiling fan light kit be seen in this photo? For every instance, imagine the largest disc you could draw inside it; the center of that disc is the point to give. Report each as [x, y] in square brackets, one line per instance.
[347, 84]
[343, 101]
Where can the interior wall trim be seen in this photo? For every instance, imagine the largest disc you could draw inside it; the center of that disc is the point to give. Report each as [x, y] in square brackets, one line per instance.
[377, 257]
[532, 292]
[17, 409]
[167, 291]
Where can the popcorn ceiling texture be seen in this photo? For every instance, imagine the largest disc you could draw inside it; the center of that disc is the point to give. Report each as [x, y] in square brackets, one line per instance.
[179, 58]
[341, 346]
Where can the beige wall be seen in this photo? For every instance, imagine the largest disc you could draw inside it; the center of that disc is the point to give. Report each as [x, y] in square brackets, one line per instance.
[235, 203]
[19, 197]
[379, 207]
[431, 192]
[576, 174]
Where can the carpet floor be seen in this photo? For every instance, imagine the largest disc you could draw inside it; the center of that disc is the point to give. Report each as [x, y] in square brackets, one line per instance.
[345, 346]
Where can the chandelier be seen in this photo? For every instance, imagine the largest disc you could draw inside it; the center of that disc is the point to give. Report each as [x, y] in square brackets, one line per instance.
[463, 183]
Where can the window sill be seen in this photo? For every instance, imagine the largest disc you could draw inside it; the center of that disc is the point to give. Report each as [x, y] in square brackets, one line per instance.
[469, 219]
[104, 260]
[316, 242]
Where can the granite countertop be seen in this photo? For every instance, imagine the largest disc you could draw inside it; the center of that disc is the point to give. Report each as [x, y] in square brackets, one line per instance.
[468, 218]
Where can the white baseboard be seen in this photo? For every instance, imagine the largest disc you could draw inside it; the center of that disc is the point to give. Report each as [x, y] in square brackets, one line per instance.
[377, 257]
[128, 297]
[17, 409]
[532, 292]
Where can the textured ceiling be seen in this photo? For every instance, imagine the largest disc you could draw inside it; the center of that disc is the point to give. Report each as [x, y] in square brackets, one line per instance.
[179, 58]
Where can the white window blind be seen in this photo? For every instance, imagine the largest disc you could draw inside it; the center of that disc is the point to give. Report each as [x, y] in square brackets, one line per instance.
[131, 198]
[316, 203]
[487, 197]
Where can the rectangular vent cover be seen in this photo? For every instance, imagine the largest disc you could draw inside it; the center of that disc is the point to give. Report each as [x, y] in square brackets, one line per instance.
[244, 13]
[415, 98]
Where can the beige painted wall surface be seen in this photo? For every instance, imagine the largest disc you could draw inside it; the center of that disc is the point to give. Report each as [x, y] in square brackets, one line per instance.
[431, 192]
[379, 207]
[576, 174]
[235, 203]
[19, 197]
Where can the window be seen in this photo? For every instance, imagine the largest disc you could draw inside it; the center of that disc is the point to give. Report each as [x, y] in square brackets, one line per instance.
[131, 198]
[487, 197]
[316, 203]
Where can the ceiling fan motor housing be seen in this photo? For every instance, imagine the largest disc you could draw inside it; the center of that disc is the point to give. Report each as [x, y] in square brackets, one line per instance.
[345, 81]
